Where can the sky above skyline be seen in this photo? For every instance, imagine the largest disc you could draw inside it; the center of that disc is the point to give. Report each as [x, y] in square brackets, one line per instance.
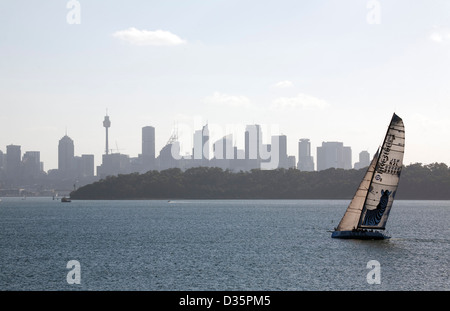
[323, 70]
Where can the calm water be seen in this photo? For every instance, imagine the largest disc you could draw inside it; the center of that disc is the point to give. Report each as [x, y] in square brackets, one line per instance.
[216, 245]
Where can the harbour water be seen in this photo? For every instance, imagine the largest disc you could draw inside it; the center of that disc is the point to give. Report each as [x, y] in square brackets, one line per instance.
[217, 245]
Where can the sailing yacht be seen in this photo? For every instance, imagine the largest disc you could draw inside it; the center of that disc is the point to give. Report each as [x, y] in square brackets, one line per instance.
[367, 213]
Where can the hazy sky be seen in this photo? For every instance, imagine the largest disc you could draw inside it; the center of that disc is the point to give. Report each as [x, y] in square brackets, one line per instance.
[323, 70]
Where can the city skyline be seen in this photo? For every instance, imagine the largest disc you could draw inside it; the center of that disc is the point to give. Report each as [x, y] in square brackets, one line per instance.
[206, 151]
[187, 142]
[325, 70]
[354, 159]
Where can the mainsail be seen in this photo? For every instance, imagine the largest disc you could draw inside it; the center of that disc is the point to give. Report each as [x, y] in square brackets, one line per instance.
[370, 207]
[353, 214]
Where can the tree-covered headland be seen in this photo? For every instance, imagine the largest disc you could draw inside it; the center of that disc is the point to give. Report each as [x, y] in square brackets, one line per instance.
[423, 182]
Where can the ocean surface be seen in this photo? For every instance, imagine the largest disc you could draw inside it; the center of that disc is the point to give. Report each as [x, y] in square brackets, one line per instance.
[223, 245]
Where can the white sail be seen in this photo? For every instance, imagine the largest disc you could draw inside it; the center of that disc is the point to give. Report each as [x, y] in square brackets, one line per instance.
[351, 217]
[370, 207]
[385, 179]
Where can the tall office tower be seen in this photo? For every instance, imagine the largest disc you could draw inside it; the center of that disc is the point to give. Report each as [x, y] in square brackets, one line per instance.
[223, 148]
[31, 164]
[106, 125]
[2, 160]
[253, 141]
[280, 141]
[197, 150]
[148, 148]
[66, 158]
[223, 152]
[205, 142]
[13, 155]
[85, 165]
[201, 145]
[347, 158]
[291, 162]
[113, 164]
[169, 155]
[148, 141]
[333, 154]
[364, 160]
[329, 155]
[253, 146]
[305, 160]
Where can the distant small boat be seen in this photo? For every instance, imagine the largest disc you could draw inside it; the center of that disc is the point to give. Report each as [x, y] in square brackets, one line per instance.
[369, 209]
[64, 199]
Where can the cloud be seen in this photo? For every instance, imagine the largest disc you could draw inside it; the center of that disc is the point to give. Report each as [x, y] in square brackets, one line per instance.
[440, 35]
[146, 37]
[228, 100]
[301, 101]
[283, 84]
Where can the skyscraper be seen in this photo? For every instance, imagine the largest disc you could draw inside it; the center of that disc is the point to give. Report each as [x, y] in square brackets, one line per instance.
[201, 146]
[148, 148]
[205, 142]
[13, 162]
[223, 148]
[347, 158]
[223, 152]
[169, 155]
[364, 160]
[31, 164]
[333, 154]
[281, 141]
[85, 165]
[66, 157]
[2, 160]
[253, 145]
[305, 160]
[253, 141]
[148, 141]
[113, 164]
